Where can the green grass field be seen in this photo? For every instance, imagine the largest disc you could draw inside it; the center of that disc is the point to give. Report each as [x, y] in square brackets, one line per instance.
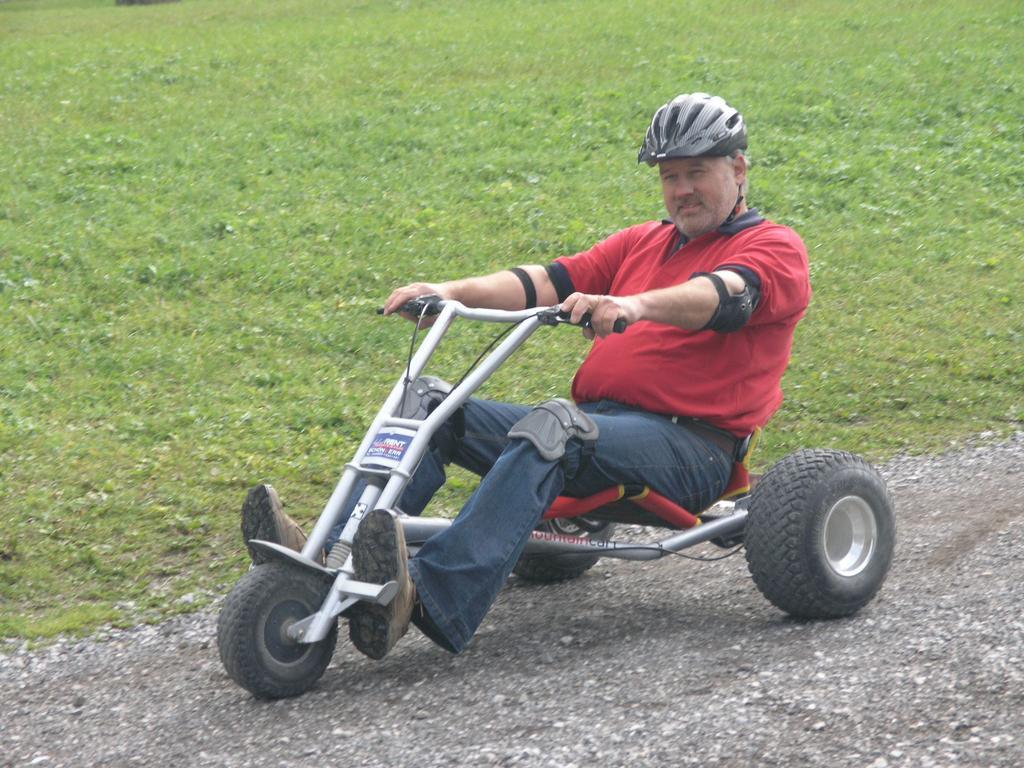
[202, 203]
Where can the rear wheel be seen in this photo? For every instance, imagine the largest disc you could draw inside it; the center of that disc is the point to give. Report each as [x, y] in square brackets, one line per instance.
[252, 631]
[551, 568]
[820, 534]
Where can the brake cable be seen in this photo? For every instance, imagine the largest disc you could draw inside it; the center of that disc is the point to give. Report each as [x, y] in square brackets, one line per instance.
[412, 348]
[487, 349]
[424, 311]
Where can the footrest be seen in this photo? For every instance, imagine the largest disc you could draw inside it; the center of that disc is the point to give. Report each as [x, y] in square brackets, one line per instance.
[344, 594]
[382, 594]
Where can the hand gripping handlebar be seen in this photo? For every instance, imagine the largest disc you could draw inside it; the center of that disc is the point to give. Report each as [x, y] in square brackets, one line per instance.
[431, 304]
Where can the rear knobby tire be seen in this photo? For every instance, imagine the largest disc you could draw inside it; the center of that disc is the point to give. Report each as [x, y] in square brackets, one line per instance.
[820, 534]
[548, 569]
[252, 631]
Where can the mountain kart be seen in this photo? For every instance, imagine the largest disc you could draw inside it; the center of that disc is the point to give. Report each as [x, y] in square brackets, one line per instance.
[818, 528]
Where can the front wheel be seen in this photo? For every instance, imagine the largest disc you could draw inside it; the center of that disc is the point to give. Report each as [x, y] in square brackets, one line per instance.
[820, 534]
[252, 631]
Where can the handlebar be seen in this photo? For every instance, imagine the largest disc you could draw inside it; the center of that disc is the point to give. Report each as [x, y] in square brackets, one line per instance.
[432, 304]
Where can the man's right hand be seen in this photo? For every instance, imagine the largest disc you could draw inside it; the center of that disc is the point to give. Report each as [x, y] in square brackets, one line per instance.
[400, 296]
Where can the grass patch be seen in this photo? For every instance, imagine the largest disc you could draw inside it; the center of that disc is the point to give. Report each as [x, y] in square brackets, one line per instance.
[203, 202]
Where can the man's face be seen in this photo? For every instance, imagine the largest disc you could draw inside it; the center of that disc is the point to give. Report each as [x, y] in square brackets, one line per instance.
[700, 192]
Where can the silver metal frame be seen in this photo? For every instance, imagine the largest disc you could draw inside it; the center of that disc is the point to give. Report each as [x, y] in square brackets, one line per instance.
[385, 486]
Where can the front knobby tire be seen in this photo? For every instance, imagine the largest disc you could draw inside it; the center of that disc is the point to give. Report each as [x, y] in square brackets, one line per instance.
[549, 569]
[252, 631]
[820, 534]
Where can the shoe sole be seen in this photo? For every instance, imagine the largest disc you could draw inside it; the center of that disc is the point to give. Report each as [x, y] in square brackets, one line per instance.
[259, 520]
[376, 554]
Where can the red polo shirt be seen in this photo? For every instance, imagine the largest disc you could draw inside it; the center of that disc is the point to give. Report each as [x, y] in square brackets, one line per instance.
[731, 380]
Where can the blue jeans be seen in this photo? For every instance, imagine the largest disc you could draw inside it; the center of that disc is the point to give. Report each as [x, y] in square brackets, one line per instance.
[459, 572]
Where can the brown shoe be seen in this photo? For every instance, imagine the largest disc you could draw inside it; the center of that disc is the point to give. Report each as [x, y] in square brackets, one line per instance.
[264, 519]
[379, 556]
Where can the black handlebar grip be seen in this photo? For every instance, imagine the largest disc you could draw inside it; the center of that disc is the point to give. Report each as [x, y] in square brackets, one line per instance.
[619, 326]
[426, 304]
[586, 322]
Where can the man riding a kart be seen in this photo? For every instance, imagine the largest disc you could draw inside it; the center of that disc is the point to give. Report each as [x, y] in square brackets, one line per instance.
[709, 300]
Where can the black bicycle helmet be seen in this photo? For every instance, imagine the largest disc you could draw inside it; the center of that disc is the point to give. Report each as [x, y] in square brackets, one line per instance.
[693, 125]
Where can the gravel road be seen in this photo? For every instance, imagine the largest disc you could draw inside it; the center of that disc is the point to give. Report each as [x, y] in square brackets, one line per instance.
[657, 664]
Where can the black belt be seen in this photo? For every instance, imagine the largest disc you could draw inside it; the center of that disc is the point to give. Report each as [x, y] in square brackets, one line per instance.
[724, 440]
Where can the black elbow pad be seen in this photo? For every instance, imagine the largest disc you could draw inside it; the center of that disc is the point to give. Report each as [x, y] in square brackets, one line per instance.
[732, 312]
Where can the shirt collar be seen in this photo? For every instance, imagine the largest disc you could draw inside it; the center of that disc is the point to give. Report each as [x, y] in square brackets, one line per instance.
[747, 219]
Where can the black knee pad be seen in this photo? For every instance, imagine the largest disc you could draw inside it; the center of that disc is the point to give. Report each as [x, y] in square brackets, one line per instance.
[550, 425]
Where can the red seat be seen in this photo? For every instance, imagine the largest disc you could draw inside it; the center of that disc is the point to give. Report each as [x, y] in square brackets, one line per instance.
[665, 511]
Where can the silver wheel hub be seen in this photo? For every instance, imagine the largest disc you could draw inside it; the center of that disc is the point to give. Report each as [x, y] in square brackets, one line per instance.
[850, 535]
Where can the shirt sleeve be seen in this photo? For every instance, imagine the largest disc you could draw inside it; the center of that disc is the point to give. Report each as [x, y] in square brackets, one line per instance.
[778, 258]
[594, 270]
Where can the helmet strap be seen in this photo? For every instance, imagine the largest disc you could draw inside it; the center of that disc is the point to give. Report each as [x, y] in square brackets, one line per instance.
[735, 208]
